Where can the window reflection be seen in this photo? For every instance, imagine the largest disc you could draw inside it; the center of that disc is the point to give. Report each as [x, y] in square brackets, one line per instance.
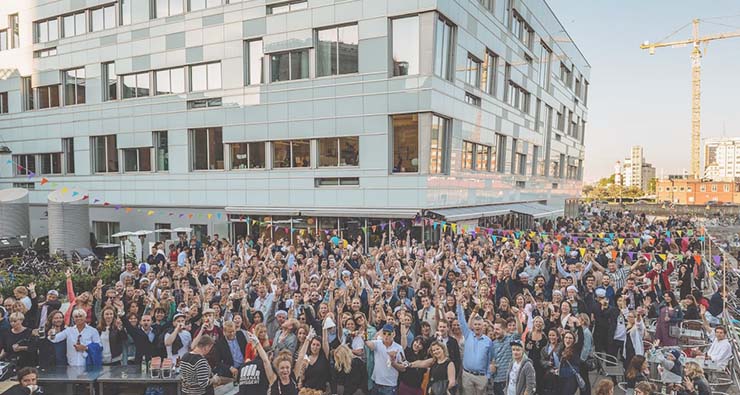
[405, 46]
[405, 143]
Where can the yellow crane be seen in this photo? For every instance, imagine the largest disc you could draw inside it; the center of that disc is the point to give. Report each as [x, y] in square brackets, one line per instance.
[696, 55]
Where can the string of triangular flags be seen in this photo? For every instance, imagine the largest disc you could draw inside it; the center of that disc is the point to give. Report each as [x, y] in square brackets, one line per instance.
[31, 175]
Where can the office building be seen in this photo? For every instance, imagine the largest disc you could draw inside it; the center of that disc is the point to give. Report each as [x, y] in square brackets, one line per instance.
[292, 117]
[634, 171]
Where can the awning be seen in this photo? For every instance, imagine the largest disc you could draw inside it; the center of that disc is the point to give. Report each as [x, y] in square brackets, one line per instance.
[325, 212]
[537, 210]
[462, 213]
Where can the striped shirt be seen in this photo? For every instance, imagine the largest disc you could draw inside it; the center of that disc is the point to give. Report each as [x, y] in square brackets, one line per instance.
[195, 373]
[619, 277]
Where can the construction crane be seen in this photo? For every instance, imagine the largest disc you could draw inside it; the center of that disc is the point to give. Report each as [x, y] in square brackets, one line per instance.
[696, 55]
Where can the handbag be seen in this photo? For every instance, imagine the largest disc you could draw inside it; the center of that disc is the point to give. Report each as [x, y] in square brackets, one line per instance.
[581, 382]
[674, 331]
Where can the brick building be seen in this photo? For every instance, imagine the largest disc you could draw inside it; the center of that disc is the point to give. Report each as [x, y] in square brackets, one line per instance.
[691, 191]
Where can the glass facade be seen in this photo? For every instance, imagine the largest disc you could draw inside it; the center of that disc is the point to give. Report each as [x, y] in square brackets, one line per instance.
[405, 43]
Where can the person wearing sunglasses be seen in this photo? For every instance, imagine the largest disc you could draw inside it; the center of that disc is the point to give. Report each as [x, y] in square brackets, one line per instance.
[78, 337]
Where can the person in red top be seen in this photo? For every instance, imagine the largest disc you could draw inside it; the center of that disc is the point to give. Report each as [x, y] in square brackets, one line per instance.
[659, 278]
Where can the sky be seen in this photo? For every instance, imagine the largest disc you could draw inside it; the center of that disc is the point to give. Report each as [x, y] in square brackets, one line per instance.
[638, 99]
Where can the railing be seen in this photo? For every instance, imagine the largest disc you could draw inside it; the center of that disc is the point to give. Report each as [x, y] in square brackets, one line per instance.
[731, 314]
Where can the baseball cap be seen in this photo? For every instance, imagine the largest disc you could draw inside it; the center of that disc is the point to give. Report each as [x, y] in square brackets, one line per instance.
[388, 328]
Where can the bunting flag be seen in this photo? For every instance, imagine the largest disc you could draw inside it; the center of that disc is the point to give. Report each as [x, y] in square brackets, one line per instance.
[631, 255]
[614, 254]
[716, 259]
[582, 251]
[150, 213]
[662, 256]
[44, 181]
[648, 256]
[620, 241]
[697, 259]
[210, 215]
[636, 241]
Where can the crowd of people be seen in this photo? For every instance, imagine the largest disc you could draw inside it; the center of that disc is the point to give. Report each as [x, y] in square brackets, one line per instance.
[519, 312]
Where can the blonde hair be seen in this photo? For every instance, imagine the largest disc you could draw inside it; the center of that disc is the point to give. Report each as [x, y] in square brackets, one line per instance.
[17, 316]
[343, 359]
[692, 369]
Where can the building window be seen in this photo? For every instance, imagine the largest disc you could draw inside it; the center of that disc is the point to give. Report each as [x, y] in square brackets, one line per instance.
[4, 102]
[110, 90]
[170, 81]
[205, 77]
[473, 71]
[3, 39]
[482, 157]
[501, 154]
[291, 154]
[14, 31]
[24, 164]
[337, 50]
[105, 154]
[702, 188]
[545, 66]
[68, 148]
[585, 92]
[27, 94]
[468, 155]
[438, 145]
[336, 182]
[444, 49]
[207, 149]
[287, 7]
[203, 103]
[565, 75]
[248, 155]
[405, 36]
[342, 151]
[518, 97]
[196, 5]
[125, 8]
[518, 158]
[472, 99]
[161, 151]
[74, 24]
[47, 30]
[135, 85]
[727, 188]
[200, 232]
[287, 66]
[25, 185]
[45, 53]
[137, 159]
[48, 96]
[535, 160]
[74, 86]
[163, 236]
[405, 143]
[714, 187]
[50, 164]
[165, 8]
[255, 62]
[104, 232]
[103, 18]
[522, 30]
[488, 81]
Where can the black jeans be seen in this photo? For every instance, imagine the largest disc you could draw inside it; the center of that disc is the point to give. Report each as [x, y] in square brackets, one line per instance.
[568, 385]
[498, 388]
[584, 373]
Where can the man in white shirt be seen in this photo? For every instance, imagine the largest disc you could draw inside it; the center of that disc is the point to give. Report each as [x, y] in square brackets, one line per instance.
[78, 337]
[721, 350]
[387, 362]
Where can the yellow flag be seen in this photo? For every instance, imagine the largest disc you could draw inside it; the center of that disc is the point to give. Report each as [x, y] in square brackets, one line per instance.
[454, 228]
[582, 251]
[662, 256]
[210, 215]
[64, 190]
[150, 213]
[504, 239]
[516, 242]
[621, 241]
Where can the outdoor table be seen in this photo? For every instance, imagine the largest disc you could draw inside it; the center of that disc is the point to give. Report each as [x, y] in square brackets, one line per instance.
[69, 380]
[130, 379]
